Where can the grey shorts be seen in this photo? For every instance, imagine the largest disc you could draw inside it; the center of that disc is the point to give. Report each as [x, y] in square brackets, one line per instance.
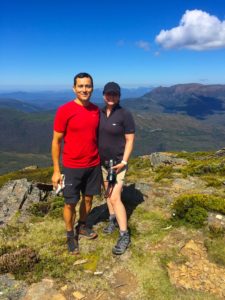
[81, 180]
[119, 177]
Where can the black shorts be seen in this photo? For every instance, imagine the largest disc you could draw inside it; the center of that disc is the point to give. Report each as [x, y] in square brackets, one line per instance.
[81, 180]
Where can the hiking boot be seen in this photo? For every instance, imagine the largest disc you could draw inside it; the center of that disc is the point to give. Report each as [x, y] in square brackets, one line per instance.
[110, 228]
[122, 244]
[87, 232]
[72, 245]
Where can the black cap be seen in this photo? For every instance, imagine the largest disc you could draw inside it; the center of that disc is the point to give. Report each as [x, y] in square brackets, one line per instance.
[111, 87]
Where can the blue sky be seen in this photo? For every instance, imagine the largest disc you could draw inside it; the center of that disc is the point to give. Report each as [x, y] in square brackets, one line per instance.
[43, 44]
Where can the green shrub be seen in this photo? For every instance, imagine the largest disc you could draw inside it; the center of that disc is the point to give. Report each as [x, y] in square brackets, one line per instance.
[163, 172]
[205, 167]
[52, 207]
[196, 215]
[193, 155]
[213, 180]
[209, 202]
[193, 207]
[40, 209]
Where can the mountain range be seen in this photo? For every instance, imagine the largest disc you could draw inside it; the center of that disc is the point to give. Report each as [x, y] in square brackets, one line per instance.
[45, 100]
[196, 100]
[186, 117]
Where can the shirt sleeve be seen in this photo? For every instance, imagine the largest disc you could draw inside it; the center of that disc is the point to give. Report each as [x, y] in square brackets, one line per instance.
[60, 120]
[129, 125]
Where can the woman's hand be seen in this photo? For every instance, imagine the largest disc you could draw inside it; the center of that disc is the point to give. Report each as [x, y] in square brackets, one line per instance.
[118, 167]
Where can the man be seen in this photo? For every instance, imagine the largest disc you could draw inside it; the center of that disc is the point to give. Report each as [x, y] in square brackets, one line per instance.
[75, 125]
[116, 140]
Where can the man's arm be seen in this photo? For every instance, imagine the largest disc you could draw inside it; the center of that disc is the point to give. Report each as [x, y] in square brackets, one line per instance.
[56, 150]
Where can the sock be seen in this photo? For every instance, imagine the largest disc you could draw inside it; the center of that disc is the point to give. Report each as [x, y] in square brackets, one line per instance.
[112, 218]
[81, 222]
[70, 234]
[122, 232]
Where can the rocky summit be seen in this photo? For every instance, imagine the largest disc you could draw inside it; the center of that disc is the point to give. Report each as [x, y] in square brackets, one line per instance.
[176, 211]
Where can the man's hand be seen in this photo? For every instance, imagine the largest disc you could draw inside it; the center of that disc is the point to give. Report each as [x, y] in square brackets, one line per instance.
[56, 179]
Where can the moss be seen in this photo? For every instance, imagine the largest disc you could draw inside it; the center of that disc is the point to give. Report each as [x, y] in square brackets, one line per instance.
[6, 249]
[8, 231]
[53, 266]
[38, 175]
[92, 262]
[138, 167]
[147, 226]
[163, 172]
[214, 181]
[205, 167]
[191, 156]
[216, 249]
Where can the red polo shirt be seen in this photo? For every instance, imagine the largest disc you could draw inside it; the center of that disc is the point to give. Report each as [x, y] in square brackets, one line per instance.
[79, 125]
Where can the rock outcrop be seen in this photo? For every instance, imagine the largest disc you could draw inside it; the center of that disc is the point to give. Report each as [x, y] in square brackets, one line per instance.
[18, 196]
[159, 158]
[198, 273]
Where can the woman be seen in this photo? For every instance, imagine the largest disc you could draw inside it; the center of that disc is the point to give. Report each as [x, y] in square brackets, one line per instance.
[116, 139]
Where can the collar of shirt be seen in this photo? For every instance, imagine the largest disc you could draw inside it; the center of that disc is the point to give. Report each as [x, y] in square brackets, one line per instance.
[117, 106]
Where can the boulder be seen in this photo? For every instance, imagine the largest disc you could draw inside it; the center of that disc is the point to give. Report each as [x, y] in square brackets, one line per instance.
[163, 158]
[17, 196]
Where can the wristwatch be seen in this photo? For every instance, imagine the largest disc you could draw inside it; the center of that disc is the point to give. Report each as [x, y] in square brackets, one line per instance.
[124, 162]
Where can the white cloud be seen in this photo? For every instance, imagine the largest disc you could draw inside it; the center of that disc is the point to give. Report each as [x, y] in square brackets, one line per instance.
[197, 30]
[143, 45]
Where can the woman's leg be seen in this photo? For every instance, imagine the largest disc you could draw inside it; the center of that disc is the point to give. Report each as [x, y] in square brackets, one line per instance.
[118, 206]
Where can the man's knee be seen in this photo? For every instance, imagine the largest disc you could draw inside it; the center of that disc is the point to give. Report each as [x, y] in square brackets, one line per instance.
[69, 206]
[88, 199]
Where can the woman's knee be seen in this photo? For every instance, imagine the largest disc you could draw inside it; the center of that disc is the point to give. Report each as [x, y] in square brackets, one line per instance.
[114, 200]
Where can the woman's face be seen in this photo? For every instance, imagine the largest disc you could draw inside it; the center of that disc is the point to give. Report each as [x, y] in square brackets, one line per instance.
[111, 99]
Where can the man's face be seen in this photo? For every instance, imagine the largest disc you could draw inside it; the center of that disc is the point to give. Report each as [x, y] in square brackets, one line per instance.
[83, 89]
[111, 98]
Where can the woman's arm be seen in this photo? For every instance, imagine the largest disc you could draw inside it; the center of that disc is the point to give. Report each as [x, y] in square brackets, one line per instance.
[129, 144]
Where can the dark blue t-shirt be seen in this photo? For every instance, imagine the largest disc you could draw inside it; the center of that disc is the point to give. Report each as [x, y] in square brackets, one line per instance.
[112, 132]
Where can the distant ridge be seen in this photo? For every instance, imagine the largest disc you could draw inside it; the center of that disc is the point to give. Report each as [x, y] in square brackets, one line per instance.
[193, 99]
[52, 99]
[8, 103]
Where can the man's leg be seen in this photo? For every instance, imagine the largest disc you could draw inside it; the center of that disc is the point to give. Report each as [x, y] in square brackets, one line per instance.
[69, 215]
[91, 186]
[85, 208]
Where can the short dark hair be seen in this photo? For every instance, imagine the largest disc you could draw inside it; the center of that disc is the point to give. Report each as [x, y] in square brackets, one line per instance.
[82, 75]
